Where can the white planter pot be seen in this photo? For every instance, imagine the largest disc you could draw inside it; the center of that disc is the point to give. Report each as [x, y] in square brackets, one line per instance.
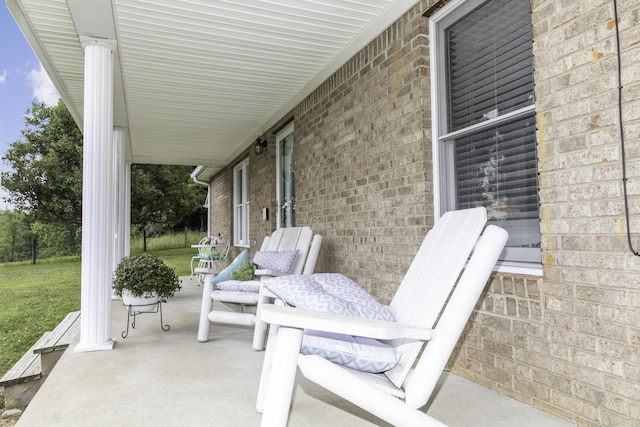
[140, 304]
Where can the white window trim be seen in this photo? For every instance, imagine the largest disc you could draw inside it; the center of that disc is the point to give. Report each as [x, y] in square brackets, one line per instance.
[437, 98]
[241, 228]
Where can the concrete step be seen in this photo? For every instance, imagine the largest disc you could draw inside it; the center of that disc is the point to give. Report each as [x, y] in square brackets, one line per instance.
[23, 380]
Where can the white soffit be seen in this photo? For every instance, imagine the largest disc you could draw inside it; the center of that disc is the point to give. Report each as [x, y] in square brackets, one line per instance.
[197, 81]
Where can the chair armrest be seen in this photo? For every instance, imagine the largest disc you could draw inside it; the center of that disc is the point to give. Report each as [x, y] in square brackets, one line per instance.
[264, 272]
[267, 293]
[338, 323]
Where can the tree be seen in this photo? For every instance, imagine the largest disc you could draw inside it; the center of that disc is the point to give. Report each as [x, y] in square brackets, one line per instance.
[15, 237]
[46, 177]
[165, 195]
[46, 182]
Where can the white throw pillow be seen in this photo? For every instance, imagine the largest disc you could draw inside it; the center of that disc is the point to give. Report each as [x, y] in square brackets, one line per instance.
[273, 260]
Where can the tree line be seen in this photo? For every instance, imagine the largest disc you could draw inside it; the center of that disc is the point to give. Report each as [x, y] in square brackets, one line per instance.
[44, 188]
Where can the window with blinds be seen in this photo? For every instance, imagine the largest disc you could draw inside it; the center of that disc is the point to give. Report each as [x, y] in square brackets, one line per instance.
[486, 132]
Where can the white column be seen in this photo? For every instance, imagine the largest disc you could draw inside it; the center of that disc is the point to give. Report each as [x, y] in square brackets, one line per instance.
[209, 198]
[119, 215]
[127, 210]
[97, 196]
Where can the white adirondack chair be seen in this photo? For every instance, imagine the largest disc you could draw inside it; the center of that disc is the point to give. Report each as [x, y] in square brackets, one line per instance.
[426, 311]
[245, 305]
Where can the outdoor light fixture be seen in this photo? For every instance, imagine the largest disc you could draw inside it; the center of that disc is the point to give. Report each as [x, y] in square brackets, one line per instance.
[260, 146]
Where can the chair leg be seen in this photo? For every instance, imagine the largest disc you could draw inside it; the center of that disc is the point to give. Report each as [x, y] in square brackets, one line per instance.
[203, 265]
[282, 378]
[266, 367]
[260, 328]
[191, 265]
[205, 326]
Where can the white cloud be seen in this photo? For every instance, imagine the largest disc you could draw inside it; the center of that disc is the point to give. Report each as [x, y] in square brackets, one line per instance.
[3, 77]
[43, 88]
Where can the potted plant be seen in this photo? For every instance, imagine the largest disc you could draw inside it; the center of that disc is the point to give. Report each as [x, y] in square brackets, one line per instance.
[144, 280]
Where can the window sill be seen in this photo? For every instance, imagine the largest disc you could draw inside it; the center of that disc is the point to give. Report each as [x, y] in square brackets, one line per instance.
[524, 268]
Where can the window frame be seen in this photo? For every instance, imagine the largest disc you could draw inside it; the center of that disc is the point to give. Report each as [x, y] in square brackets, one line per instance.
[280, 136]
[444, 183]
[241, 204]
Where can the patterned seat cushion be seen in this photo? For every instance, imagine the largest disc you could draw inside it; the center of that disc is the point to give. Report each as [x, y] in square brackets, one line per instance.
[239, 286]
[336, 293]
[362, 354]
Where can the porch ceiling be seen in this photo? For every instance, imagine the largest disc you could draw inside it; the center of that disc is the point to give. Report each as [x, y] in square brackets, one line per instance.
[197, 81]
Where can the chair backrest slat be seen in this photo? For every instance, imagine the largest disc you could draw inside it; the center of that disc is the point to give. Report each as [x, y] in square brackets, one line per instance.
[202, 248]
[430, 278]
[420, 385]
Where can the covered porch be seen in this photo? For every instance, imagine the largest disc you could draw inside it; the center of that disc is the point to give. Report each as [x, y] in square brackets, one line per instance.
[187, 83]
[169, 379]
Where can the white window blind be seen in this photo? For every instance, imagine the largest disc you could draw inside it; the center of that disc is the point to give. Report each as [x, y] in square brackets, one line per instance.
[487, 136]
[490, 62]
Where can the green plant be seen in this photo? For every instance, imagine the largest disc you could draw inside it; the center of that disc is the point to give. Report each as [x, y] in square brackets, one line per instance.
[244, 272]
[145, 275]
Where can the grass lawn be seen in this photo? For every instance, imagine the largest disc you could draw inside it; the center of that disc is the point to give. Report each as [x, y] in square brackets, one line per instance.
[35, 298]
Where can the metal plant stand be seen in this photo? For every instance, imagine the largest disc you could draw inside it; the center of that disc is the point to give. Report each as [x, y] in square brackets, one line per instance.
[132, 313]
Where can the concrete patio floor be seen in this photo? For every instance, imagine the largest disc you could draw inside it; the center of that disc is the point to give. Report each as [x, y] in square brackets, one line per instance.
[169, 379]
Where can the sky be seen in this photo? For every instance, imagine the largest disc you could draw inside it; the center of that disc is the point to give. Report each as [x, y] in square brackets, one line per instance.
[22, 81]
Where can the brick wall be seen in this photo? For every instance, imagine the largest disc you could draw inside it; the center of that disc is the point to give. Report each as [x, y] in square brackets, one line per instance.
[262, 192]
[220, 204]
[586, 360]
[262, 180]
[567, 342]
[362, 156]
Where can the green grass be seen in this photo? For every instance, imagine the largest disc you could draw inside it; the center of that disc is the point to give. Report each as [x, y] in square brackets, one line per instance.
[179, 259]
[35, 298]
[167, 241]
